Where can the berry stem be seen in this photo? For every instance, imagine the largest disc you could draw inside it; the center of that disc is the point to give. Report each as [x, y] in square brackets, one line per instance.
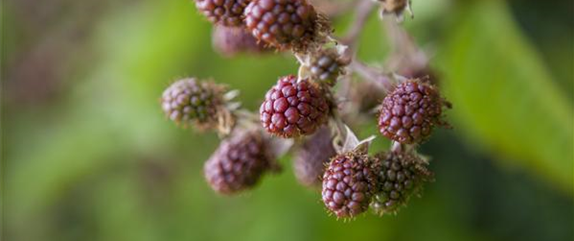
[374, 75]
[404, 50]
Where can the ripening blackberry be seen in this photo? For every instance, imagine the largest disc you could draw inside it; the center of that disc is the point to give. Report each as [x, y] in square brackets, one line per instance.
[409, 113]
[293, 108]
[223, 12]
[238, 163]
[284, 24]
[349, 184]
[326, 66]
[229, 41]
[190, 101]
[400, 176]
[312, 157]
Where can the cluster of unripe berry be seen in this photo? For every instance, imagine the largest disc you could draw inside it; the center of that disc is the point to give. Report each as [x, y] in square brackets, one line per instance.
[305, 110]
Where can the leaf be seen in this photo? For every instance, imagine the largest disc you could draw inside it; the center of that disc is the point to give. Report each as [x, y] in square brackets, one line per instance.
[503, 95]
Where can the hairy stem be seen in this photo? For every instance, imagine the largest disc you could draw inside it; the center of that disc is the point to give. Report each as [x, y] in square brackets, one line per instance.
[375, 75]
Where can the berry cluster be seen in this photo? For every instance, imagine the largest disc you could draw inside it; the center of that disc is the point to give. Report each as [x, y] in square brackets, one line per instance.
[354, 181]
[311, 108]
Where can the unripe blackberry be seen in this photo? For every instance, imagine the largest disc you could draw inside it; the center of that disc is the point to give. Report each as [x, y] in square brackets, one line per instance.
[349, 184]
[312, 157]
[326, 66]
[284, 23]
[238, 163]
[230, 41]
[189, 101]
[224, 12]
[400, 176]
[409, 113]
[293, 108]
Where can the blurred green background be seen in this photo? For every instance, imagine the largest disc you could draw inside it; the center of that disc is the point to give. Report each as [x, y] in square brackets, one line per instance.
[88, 155]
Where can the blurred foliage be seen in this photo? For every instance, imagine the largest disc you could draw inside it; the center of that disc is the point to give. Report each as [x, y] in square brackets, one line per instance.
[505, 89]
[96, 160]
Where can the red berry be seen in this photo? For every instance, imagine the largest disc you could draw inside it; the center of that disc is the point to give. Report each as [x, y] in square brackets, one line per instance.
[349, 184]
[400, 175]
[283, 23]
[311, 158]
[293, 108]
[224, 12]
[409, 113]
[238, 163]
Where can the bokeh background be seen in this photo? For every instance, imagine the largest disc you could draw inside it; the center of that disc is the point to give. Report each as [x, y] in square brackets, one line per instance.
[88, 155]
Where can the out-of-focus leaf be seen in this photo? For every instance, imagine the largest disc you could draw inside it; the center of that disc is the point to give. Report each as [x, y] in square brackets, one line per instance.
[504, 96]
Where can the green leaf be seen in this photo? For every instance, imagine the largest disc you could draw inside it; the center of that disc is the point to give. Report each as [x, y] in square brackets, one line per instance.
[503, 95]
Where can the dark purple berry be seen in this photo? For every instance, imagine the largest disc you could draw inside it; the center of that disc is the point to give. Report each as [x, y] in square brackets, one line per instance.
[283, 23]
[349, 184]
[409, 113]
[238, 163]
[293, 108]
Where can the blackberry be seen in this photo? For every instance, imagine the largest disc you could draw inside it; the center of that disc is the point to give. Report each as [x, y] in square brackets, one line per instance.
[223, 12]
[409, 113]
[293, 108]
[230, 41]
[238, 163]
[400, 176]
[312, 157]
[326, 66]
[190, 101]
[284, 23]
[349, 184]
